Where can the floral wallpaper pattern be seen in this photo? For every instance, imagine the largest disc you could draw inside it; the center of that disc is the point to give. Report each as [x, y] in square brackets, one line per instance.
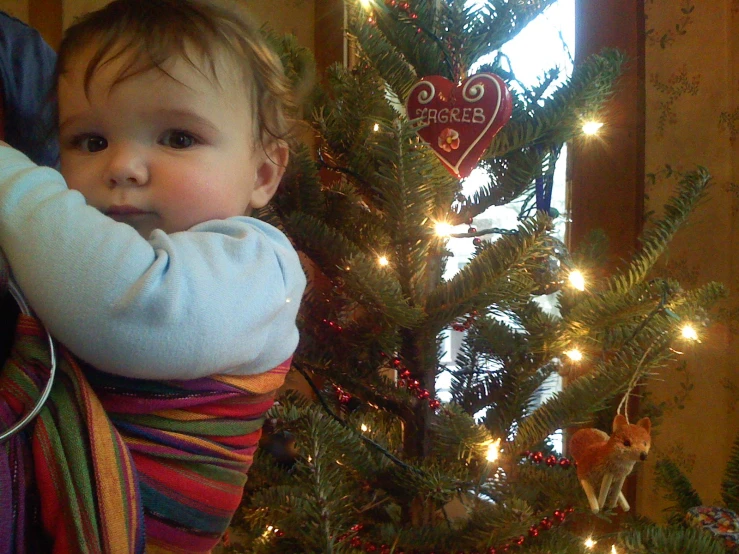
[692, 118]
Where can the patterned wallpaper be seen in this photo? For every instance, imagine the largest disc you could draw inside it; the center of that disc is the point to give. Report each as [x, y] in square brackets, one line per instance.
[692, 118]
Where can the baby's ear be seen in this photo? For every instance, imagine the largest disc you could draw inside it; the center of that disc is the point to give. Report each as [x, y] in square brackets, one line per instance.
[645, 423]
[272, 165]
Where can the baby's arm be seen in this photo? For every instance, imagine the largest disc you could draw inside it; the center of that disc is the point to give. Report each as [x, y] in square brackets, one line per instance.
[220, 298]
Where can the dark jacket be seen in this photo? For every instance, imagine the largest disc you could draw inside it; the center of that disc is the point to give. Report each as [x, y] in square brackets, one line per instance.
[27, 66]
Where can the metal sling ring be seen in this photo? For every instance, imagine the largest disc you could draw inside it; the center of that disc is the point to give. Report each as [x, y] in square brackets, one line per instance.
[21, 423]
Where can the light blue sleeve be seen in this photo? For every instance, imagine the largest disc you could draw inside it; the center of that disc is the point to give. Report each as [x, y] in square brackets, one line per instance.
[221, 297]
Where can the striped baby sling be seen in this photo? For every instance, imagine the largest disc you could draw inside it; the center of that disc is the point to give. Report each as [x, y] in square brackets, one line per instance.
[118, 465]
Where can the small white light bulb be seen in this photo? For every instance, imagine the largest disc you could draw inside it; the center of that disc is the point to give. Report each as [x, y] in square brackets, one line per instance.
[577, 280]
[590, 543]
[443, 229]
[383, 261]
[376, 127]
[591, 127]
[613, 549]
[689, 332]
[574, 354]
[493, 452]
[364, 428]
[366, 4]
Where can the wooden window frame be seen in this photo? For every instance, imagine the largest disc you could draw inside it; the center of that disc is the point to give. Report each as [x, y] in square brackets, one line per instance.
[606, 175]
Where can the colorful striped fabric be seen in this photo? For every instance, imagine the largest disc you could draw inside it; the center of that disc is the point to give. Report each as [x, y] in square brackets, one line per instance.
[123, 465]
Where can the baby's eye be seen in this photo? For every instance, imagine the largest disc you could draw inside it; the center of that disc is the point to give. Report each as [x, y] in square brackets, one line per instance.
[627, 442]
[178, 139]
[90, 143]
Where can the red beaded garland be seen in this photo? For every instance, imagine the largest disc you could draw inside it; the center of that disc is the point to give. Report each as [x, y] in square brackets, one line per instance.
[558, 516]
[544, 525]
[537, 457]
[414, 385]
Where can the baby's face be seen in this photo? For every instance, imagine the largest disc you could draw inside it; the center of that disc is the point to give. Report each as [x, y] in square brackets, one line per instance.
[161, 151]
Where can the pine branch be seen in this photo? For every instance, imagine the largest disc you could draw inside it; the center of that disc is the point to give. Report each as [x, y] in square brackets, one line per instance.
[318, 501]
[370, 286]
[654, 240]
[458, 437]
[492, 24]
[730, 482]
[497, 275]
[560, 118]
[368, 441]
[591, 393]
[668, 540]
[394, 33]
[387, 60]
[678, 490]
[300, 189]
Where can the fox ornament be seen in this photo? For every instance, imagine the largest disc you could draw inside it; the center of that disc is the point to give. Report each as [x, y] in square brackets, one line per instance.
[606, 461]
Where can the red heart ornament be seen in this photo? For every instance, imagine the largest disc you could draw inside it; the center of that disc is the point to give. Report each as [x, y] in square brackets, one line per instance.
[459, 122]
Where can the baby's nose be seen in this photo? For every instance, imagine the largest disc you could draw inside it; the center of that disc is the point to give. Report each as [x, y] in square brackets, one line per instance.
[126, 167]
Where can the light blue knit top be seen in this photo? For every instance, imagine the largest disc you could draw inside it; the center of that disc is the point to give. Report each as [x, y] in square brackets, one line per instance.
[221, 297]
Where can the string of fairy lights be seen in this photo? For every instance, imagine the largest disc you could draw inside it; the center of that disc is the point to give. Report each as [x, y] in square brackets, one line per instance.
[574, 278]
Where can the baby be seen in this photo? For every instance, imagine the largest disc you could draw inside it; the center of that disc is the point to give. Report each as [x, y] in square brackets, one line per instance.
[141, 259]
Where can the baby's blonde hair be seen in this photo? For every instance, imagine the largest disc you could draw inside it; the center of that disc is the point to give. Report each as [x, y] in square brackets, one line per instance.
[153, 31]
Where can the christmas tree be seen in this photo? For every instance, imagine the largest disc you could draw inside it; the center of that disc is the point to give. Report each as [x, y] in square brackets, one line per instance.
[372, 460]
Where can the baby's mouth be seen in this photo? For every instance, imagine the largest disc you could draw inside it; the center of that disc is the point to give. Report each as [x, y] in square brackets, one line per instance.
[124, 211]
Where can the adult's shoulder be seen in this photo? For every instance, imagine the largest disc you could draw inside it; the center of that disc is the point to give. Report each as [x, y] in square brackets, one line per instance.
[20, 41]
[27, 68]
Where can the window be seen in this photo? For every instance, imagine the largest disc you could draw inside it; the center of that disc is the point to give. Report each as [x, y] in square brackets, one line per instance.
[546, 42]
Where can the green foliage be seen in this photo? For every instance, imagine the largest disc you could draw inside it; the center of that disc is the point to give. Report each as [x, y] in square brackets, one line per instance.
[730, 483]
[668, 540]
[679, 491]
[373, 462]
